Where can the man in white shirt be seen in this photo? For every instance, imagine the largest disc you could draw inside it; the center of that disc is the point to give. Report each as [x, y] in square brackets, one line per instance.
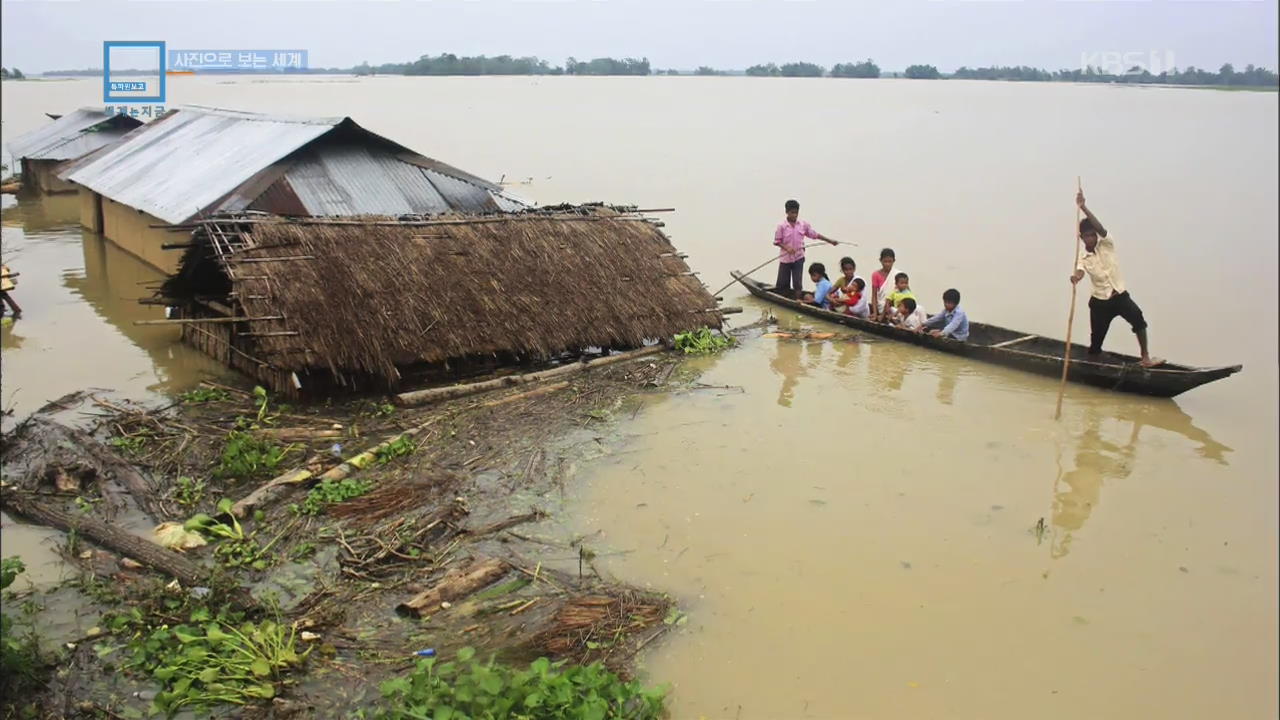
[1110, 298]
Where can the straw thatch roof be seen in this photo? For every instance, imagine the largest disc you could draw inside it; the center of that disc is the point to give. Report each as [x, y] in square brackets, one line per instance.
[372, 295]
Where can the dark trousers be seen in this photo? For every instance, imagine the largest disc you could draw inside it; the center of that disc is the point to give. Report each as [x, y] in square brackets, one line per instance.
[1102, 312]
[790, 278]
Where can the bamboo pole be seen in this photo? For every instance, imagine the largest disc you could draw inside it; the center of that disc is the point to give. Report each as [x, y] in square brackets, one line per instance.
[422, 397]
[1071, 314]
[766, 262]
[298, 476]
[544, 390]
[189, 321]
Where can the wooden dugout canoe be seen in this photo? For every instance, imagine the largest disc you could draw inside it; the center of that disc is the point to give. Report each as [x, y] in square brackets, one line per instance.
[1024, 351]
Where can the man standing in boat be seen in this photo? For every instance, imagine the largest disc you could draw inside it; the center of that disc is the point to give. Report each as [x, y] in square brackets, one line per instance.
[1110, 298]
[789, 237]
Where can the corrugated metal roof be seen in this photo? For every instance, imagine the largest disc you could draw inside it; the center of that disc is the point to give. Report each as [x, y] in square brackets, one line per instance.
[463, 197]
[81, 145]
[355, 180]
[70, 136]
[183, 162]
[358, 180]
[198, 159]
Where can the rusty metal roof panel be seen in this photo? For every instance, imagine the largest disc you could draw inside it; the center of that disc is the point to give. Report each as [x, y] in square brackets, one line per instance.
[71, 135]
[182, 163]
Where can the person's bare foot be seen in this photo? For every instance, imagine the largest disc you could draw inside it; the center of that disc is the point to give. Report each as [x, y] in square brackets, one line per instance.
[1151, 362]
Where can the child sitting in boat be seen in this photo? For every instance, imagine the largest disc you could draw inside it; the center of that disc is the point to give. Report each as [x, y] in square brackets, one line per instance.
[852, 300]
[821, 295]
[908, 316]
[951, 322]
[901, 291]
[848, 271]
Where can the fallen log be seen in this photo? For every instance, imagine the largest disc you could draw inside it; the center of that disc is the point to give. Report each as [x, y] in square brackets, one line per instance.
[32, 507]
[455, 584]
[422, 397]
[40, 450]
[544, 390]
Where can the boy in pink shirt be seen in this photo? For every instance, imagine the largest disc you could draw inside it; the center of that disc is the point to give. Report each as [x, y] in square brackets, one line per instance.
[789, 237]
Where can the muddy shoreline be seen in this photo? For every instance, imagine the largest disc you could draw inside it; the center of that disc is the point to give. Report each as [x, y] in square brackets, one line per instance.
[431, 556]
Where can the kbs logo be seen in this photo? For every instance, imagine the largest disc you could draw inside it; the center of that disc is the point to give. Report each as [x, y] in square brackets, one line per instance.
[1114, 62]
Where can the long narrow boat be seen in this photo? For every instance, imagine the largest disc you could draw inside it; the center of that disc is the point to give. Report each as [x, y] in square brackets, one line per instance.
[1024, 351]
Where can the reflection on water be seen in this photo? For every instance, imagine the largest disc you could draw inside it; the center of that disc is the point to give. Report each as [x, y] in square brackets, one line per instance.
[787, 363]
[862, 516]
[948, 374]
[79, 294]
[39, 214]
[1102, 457]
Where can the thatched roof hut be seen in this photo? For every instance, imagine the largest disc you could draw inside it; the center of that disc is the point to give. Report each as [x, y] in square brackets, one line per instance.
[372, 301]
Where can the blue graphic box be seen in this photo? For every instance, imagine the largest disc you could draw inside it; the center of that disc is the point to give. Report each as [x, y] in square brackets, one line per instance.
[110, 89]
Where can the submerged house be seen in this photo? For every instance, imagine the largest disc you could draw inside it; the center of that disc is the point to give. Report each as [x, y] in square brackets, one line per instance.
[313, 306]
[68, 137]
[145, 191]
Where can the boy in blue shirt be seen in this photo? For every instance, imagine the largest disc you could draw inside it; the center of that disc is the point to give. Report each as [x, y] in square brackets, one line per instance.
[952, 322]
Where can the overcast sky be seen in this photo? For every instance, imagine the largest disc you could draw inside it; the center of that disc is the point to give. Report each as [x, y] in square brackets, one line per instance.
[39, 35]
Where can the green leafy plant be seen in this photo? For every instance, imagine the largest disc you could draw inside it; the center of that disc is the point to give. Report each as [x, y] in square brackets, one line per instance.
[261, 400]
[10, 569]
[465, 688]
[235, 548]
[20, 663]
[329, 492]
[402, 445]
[188, 492]
[207, 660]
[377, 410]
[84, 504]
[204, 394]
[303, 551]
[701, 342]
[208, 525]
[245, 456]
[131, 444]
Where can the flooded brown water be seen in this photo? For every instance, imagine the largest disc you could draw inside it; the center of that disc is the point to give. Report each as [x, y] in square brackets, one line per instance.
[853, 533]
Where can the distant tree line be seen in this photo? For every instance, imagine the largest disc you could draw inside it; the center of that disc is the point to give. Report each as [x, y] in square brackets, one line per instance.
[450, 64]
[922, 72]
[607, 66]
[795, 69]
[865, 69]
[1251, 76]
[14, 74]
